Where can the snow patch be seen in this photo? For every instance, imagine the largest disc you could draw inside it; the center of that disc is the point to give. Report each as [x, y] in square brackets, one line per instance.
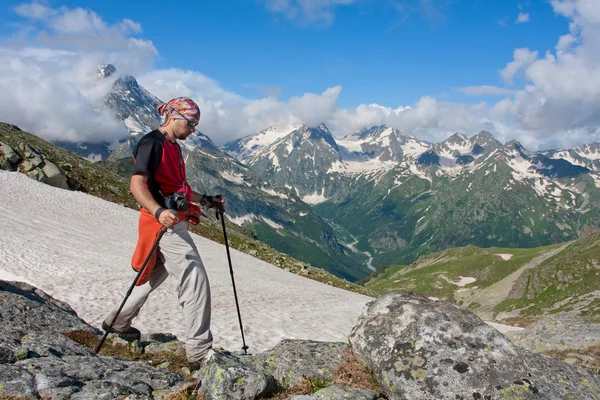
[274, 193]
[271, 223]
[464, 280]
[505, 257]
[231, 177]
[314, 198]
[241, 219]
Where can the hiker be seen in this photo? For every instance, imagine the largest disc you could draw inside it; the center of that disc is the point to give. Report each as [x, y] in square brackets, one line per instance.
[159, 184]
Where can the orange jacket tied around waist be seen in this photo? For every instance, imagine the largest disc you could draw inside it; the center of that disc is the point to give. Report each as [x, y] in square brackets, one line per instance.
[148, 229]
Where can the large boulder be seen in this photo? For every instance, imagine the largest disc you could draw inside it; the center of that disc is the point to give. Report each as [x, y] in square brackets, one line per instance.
[421, 349]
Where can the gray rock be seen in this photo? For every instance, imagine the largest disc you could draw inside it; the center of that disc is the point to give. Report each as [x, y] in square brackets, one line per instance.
[54, 386]
[420, 349]
[225, 376]
[9, 159]
[562, 331]
[26, 309]
[340, 392]
[15, 381]
[54, 176]
[33, 159]
[290, 360]
[50, 344]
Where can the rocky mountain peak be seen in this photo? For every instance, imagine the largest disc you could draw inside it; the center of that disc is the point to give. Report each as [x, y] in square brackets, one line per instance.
[456, 138]
[106, 70]
[319, 133]
[513, 145]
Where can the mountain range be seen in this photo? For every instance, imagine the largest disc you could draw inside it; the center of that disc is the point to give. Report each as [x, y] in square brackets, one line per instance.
[379, 196]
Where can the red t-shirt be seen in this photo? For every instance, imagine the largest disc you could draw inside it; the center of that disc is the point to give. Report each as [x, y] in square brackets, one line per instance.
[163, 161]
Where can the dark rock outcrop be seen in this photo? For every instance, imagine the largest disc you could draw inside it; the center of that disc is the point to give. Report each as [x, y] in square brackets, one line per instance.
[33, 163]
[37, 359]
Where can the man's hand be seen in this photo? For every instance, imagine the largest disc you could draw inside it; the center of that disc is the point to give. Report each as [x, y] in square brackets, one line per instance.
[168, 218]
[219, 203]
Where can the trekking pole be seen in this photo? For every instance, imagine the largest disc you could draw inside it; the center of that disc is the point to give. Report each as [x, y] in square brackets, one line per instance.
[232, 280]
[160, 234]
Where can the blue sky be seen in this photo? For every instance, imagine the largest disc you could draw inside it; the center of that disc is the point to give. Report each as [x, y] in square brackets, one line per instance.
[393, 53]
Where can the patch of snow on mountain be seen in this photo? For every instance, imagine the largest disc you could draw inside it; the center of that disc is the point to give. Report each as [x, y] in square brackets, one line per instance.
[289, 146]
[521, 167]
[241, 219]
[271, 223]
[133, 126]
[421, 174]
[354, 167]
[352, 143]
[274, 160]
[274, 193]
[587, 151]
[337, 166]
[314, 198]
[565, 155]
[596, 179]
[414, 148]
[263, 139]
[231, 177]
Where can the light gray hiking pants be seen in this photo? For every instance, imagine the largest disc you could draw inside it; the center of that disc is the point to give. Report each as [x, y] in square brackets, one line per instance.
[178, 257]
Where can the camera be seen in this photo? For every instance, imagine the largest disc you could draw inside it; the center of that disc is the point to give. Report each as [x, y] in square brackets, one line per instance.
[177, 201]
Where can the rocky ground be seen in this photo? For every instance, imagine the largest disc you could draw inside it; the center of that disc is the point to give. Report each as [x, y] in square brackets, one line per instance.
[402, 347]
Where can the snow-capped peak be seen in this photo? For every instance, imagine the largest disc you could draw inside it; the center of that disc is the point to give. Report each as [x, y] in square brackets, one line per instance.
[243, 149]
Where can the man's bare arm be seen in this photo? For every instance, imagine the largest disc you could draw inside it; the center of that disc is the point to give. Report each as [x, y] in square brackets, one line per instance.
[138, 188]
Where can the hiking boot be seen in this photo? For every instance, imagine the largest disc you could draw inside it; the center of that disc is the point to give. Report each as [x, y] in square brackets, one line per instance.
[130, 334]
[196, 365]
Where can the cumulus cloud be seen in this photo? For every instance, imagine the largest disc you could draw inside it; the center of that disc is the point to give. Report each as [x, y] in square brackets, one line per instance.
[52, 81]
[563, 90]
[522, 18]
[522, 58]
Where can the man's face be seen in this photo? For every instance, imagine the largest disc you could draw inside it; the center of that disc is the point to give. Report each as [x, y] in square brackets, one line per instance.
[182, 130]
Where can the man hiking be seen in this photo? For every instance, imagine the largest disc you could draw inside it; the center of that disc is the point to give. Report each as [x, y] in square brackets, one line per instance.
[160, 186]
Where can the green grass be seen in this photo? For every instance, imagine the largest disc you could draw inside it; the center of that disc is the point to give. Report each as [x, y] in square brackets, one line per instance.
[568, 278]
[483, 264]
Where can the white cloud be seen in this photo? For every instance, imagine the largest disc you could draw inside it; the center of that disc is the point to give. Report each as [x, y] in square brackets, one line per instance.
[34, 11]
[311, 11]
[52, 82]
[522, 18]
[486, 90]
[522, 58]
[563, 90]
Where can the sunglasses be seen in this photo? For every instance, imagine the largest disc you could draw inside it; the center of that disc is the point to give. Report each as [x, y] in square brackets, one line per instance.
[190, 123]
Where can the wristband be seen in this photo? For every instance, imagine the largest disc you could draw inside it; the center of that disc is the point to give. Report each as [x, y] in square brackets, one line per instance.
[158, 212]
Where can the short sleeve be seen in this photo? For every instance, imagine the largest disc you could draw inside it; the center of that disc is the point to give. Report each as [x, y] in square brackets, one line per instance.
[146, 156]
